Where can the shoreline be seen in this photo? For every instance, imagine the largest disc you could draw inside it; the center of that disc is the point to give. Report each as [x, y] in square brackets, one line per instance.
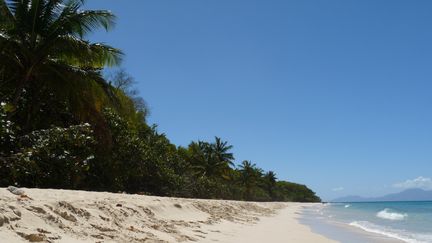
[280, 228]
[339, 231]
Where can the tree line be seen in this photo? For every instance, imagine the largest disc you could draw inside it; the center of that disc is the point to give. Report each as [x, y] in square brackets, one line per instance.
[64, 124]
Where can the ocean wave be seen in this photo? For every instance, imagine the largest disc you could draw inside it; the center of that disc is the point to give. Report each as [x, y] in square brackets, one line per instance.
[387, 214]
[405, 236]
[347, 206]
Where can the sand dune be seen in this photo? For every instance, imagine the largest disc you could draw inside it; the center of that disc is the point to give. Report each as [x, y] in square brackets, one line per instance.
[79, 216]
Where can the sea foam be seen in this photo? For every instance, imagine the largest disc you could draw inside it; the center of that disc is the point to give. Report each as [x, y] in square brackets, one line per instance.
[393, 233]
[387, 214]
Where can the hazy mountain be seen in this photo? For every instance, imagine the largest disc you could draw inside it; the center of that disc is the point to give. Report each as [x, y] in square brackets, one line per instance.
[350, 199]
[407, 195]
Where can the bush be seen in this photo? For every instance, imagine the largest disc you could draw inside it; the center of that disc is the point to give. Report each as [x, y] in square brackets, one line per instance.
[54, 158]
[7, 130]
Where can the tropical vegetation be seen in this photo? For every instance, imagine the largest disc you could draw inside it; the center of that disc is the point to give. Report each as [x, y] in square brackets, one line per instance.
[64, 124]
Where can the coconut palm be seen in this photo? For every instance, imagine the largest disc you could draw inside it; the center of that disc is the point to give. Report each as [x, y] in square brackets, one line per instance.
[270, 182]
[250, 175]
[42, 47]
[211, 159]
[221, 152]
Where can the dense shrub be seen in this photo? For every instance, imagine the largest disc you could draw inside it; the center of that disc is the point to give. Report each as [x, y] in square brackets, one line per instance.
[55, 157]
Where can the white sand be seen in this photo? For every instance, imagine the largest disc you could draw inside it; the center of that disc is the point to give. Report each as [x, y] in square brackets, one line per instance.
[281, 228]
[78, 216]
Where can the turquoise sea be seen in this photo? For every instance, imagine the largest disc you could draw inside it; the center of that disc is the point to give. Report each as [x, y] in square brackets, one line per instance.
[404, 221]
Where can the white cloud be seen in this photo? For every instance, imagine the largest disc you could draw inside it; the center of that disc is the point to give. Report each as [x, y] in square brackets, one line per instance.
[338, 189]
[419, 182]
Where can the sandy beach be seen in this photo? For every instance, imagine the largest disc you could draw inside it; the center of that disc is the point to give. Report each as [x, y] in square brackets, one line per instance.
[78, 216]
[280, 228]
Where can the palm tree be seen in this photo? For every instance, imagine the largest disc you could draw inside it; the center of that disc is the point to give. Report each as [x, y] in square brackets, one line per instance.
[221, 151]
[211, 159]
[270, 182]
[42, 46]
[197, 156]
[250, 176]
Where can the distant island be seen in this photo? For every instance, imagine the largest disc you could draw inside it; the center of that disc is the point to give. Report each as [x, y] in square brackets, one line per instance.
[414, 194]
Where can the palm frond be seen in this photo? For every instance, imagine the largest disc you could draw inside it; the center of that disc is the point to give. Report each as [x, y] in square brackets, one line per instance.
[22, 20]
[52, 11]
[83, 54]
[8, 51]
[17, 5]
[42, 42]
[81, 89]
[80, 23]
[6, 17]
[36, 13]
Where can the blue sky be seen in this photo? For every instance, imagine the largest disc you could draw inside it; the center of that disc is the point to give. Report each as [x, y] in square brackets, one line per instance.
[332, 94]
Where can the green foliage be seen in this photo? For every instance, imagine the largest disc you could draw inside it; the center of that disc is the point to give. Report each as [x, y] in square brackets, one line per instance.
[210, 159]
[43, 51]
[124, 83]
[55, 157]
[250, 176]
[138, 160]
[51, 78]
[288, 191]
[269, 183]
[7, 129]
